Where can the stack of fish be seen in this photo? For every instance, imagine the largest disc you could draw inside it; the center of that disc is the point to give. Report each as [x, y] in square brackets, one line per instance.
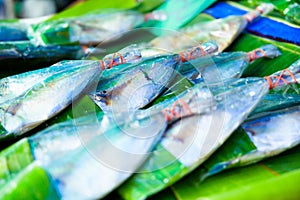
[145, 116]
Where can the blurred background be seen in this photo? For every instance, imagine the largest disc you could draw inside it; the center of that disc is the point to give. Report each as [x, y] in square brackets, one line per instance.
[31, 8]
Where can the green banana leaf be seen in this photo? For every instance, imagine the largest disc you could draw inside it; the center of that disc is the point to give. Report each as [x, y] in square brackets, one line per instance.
[13, 160]
[27, 179]
[93, 5]
[96, 5]
[274, 178]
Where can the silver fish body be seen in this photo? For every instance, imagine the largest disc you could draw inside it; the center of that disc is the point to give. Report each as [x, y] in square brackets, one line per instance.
[47, 97]
[14, 86]
[267, 135]
[272, 134]
[138, 86]
[57, 140]
[91, 172]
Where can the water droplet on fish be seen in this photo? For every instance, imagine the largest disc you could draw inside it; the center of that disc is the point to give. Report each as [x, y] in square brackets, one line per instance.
[252, 94]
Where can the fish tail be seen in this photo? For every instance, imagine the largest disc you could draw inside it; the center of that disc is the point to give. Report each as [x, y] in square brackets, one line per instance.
[267, 51]
[286, 76]
[262, 9]
[129, 54]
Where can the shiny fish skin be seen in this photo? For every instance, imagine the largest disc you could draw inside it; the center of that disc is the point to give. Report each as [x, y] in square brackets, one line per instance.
[13, 86]
[64, 137]
[58, 139]
[16, 88]
[192, 139]
[225, 65]
[47, 97]
[112, 76]
[277, 101]
[99, 178]
[135, 86]
[272, 134]
[139, 86]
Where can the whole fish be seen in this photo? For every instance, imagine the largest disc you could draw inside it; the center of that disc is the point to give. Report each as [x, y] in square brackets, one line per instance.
[139, 84]
[65, 148]
[190, 141]
[89, 28]
[223, 31]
